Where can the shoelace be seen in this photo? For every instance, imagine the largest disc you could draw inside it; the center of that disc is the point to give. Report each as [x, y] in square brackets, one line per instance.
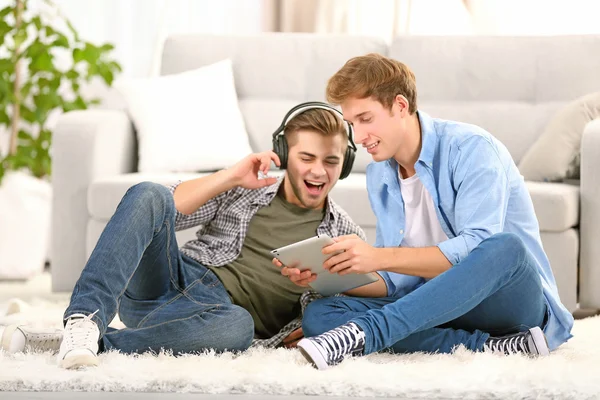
[80, 330]
[340, 341]
[515, 344]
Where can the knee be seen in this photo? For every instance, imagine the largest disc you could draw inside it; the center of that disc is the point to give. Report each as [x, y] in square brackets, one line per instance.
[150, 195]
[239, 333]
[507, 247]
[315, 316]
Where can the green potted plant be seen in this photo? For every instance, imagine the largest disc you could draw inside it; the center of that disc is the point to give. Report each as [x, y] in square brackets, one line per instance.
[34, 87]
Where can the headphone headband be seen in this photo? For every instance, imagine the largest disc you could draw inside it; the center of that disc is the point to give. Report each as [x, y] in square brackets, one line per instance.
[311, 105]
[280, 143]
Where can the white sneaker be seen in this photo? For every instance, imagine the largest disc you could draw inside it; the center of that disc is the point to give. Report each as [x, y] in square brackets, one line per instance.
[21, 338]
[79, 347]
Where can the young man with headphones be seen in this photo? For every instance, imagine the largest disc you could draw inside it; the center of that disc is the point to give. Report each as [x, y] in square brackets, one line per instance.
[458, 242]
[219, 291]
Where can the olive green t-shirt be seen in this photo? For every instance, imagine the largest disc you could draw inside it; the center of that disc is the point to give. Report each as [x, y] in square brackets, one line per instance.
[252, 281]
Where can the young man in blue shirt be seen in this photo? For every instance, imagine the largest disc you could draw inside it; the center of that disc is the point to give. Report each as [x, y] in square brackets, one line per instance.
[458, 243]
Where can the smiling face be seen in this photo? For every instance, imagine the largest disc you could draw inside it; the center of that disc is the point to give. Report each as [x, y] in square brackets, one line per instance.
[317, 141]
[382, 131]
[314, 166]
[378, 96]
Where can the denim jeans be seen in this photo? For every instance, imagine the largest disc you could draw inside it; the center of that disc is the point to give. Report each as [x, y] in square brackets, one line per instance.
[166, 299]
[495, 290]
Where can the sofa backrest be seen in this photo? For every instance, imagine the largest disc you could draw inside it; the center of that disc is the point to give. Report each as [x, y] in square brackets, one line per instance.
[510, 86]
[507, 85]
[272, 72]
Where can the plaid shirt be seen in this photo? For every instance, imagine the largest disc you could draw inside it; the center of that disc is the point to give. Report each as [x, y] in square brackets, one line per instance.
[224, 222]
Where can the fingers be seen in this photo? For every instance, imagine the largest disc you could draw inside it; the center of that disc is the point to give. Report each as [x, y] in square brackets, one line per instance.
[336, 247]
[275, 158]
[300, 278]
[337, 259]
[342, 268]
[268, 181]
[265, 160]
[277, 263]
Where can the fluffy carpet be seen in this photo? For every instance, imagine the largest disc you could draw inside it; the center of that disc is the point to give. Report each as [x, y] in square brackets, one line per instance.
[571, 372]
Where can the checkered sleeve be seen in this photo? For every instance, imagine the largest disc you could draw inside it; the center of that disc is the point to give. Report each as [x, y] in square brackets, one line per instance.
[201, 216]
[348, 227]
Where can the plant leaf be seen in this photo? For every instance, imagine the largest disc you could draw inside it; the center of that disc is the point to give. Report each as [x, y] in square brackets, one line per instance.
[5, 11]
[43, 62]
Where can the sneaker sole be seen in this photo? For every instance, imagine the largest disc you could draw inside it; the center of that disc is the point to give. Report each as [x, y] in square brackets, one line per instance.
[79, 362]
[539, 339]
[7, 337]
[312, 354]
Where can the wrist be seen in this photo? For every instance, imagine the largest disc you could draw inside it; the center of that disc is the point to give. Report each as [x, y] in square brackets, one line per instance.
[227, 179]
[387, 258]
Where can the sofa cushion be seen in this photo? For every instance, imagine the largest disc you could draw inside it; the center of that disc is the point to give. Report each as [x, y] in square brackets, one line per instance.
[182, 120]
[105, 194]
[556, 154]
[556, 205]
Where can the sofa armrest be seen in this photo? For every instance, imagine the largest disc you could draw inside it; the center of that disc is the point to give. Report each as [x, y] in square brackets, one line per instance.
[87, 145]
[589, 225]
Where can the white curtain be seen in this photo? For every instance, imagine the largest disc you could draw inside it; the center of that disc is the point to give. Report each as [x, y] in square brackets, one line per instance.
[381, 18]
[138, 27]
[535, 17]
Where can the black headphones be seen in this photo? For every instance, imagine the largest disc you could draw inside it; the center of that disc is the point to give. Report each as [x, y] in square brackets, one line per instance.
[280, 146]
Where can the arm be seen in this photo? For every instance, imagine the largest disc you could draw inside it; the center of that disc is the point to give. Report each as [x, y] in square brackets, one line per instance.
[480, 209]
[197, 200]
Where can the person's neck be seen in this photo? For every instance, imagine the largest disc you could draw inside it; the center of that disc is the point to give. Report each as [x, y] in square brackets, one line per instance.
[409, 151]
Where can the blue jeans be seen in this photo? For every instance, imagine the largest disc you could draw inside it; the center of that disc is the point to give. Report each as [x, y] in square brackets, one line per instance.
[166, 299]
[495, 290]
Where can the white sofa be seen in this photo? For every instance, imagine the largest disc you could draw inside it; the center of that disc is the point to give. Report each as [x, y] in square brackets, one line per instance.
[509, 86]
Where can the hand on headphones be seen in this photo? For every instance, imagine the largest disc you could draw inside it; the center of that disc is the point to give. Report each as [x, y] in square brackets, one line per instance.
[245, 172]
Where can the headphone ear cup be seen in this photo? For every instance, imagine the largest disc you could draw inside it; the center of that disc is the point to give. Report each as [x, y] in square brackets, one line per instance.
[280, 148]
[348, 162]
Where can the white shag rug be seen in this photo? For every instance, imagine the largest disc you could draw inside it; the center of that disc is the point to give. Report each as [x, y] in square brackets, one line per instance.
[571, 372]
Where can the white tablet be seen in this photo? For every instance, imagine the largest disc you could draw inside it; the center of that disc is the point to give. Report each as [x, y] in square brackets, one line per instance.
[307, 254]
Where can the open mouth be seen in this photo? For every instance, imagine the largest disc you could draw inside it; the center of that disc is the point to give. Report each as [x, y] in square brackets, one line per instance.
[314, 188]
[371, 148]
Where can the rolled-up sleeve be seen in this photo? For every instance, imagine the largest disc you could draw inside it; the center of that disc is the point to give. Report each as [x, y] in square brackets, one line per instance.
[201, 216]
[481, 197]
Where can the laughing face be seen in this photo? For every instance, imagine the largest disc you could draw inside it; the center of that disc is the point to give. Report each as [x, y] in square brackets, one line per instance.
[314, 166]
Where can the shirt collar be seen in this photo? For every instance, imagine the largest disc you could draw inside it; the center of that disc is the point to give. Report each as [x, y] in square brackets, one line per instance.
[428, 142]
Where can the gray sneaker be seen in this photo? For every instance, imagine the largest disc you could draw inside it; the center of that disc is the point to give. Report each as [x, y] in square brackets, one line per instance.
[21, 338]
[531, 342]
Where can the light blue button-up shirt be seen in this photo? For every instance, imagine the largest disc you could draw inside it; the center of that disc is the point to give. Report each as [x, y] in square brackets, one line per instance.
[477, 191]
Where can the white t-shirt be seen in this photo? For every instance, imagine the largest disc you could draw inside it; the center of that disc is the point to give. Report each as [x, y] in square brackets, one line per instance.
[422, 227]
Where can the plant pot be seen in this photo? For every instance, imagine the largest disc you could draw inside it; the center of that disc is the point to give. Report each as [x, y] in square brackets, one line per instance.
[25, 204]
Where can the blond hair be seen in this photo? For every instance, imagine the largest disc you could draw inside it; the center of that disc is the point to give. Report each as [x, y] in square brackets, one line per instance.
[316, 120]
[376, 76]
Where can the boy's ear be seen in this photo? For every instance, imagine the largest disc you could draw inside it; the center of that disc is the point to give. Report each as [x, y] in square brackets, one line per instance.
[402, 102]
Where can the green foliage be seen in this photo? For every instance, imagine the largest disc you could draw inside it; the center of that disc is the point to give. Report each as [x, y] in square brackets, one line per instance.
[31, 47]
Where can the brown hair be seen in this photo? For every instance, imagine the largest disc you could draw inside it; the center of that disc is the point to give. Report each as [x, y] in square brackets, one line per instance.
[316, 120]
[375, 76]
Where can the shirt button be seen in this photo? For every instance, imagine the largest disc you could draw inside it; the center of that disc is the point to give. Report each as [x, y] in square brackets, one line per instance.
[401, 231]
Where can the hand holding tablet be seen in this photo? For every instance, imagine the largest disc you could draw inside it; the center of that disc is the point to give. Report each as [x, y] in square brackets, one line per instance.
[307, 255]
